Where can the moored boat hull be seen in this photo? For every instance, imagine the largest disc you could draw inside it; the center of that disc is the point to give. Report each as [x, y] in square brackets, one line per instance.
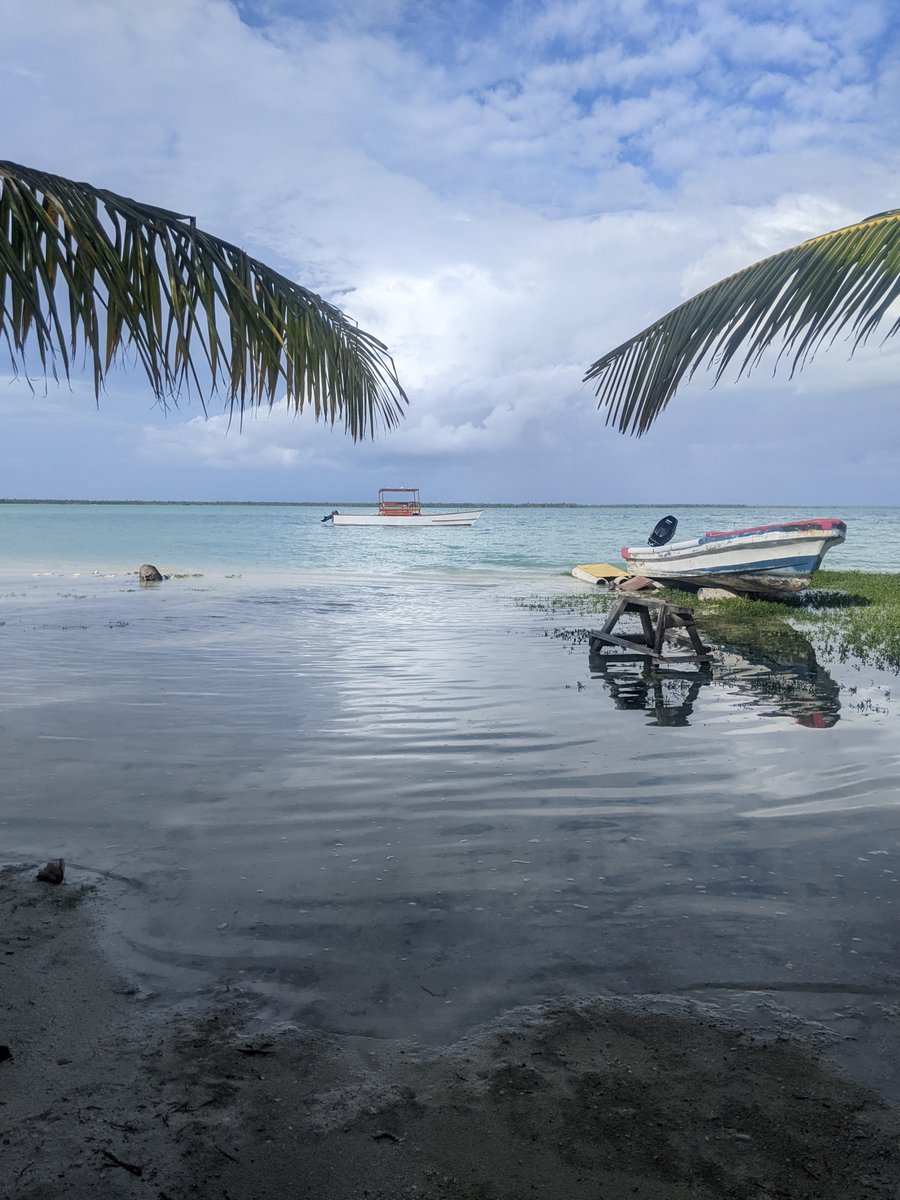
[420, 519]
[773, 559]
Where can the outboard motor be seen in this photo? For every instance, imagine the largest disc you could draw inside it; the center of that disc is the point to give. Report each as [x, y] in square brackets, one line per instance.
[663, 532]
[330, 515]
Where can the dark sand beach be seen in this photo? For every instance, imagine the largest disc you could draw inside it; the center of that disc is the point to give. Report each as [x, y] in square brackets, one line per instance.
[645, 1098]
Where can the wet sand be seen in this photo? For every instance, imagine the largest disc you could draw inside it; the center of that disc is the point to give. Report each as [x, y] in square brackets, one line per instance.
[104, 1095]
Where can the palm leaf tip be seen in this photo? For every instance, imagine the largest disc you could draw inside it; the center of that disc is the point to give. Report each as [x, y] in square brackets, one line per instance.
[86, 271]
[843, 282]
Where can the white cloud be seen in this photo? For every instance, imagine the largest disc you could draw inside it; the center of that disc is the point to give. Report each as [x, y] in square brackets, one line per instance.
[264, 441]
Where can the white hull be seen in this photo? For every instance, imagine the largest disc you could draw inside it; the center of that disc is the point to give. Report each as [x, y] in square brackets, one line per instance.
[774, 558]
[442, 519]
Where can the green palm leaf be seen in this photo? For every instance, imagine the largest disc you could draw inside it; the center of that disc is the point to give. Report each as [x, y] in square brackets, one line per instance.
[842, 281]
[87, 273]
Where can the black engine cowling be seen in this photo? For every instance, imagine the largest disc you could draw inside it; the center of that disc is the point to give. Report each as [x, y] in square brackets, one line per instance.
[663, 531]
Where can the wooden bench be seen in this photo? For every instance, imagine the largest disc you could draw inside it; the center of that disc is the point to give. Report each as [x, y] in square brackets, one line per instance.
[656, 617]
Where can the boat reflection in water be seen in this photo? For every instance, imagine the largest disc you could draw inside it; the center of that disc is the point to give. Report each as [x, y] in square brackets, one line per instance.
[773, 671]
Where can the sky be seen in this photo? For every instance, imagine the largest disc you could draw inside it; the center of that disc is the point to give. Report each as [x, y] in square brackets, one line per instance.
[500, 192]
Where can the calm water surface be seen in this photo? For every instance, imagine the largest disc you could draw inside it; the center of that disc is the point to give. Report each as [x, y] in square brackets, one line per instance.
[235, 537]
[345, 772]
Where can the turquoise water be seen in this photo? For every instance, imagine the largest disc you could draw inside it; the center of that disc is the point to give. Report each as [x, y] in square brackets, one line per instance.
[343, 774]
[89, 537]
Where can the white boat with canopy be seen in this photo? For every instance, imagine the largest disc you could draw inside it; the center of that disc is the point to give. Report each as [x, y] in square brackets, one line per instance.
[403, 507]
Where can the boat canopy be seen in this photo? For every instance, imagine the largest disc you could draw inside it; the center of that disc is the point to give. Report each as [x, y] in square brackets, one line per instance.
[399, 502]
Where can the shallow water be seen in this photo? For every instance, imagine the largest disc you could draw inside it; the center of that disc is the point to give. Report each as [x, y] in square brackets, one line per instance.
[392, 800]
[276, 538]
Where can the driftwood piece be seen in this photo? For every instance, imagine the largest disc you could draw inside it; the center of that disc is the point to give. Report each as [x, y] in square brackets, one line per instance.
[636, 583]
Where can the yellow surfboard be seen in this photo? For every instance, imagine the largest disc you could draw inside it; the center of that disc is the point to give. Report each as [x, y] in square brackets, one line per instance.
[597, 572]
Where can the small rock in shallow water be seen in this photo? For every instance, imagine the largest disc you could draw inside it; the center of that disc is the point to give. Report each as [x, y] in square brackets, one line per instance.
[54, 872]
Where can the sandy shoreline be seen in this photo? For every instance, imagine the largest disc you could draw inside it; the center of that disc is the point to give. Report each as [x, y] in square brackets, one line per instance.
[104, 1098]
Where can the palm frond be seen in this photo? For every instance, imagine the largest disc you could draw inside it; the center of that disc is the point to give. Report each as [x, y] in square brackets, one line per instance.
[803, 297]
[85, 272]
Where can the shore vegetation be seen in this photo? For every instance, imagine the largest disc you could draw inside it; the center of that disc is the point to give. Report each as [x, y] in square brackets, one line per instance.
[854, 616]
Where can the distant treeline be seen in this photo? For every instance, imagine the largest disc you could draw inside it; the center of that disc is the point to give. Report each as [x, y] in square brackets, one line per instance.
[365, 504]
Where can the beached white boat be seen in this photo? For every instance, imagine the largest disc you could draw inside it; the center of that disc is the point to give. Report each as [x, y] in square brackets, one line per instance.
[764, 558]
[402, 506]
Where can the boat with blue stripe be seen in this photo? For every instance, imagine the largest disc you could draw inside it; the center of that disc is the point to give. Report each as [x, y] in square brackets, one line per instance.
[764, 559]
